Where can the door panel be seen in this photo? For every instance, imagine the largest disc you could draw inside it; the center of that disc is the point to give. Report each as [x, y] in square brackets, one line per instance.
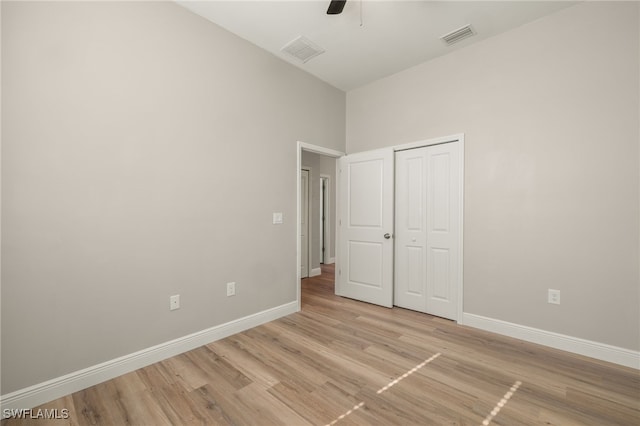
[440, 189]
[415, 270]
[365, 193]
[365, 261]
[439, 263]
[365, 253]
[427, 229]
[414, 182]
[443, 219]
[410, 287]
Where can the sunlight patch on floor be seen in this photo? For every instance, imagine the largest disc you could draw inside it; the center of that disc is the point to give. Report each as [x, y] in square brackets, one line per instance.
[501, 403]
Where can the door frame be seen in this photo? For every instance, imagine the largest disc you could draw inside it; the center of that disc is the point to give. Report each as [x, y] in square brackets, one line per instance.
[303, 146]
[325, 196]
[308, 170]
[438, 141]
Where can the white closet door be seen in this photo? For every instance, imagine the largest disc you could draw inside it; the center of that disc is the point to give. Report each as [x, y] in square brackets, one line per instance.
[428, 213]
[365, 260]
[444, 213]
[410, 290]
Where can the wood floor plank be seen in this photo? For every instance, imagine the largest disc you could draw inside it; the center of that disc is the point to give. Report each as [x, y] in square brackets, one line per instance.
[220, 405]
[314, 410]
[352, 363]
[266, 409]
[248, 364]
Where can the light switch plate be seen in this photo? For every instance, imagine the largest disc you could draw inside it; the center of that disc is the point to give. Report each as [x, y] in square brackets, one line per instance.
[277, 218]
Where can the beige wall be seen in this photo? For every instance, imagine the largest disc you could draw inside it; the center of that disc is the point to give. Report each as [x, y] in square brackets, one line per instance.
[144, 151]
[550, 113]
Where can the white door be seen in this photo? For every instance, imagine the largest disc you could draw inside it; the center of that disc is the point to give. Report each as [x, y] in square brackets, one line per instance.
[410, 290]
[365, 259]
[304, 223]
[428, 216]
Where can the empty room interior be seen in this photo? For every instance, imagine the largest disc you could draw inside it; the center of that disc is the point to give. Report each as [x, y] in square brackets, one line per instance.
[320, 212]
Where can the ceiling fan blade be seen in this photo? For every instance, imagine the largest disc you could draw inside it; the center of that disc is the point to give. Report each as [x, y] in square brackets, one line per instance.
[335, 7]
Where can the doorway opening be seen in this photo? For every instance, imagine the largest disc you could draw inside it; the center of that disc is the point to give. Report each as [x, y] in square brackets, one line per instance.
[321, 163]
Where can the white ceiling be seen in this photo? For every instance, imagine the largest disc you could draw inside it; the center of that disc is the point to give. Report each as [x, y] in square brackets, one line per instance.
[395, 34]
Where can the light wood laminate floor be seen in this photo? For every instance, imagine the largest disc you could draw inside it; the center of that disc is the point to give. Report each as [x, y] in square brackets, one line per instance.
[343, 362]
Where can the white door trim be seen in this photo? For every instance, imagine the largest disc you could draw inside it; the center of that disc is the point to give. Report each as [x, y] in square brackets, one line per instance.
[300, 146]
[459, 137]
[326, 202]
[308, 221]
[436, 141]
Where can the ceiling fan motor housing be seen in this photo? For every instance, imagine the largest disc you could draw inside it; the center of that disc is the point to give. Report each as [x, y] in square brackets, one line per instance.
[335, 7]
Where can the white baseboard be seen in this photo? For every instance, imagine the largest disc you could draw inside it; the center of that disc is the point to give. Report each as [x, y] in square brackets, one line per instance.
[331, 261]
[315, 272]
[61, 386]
[601, 351]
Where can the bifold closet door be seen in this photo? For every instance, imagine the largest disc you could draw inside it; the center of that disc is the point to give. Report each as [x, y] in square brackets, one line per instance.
[427, 228]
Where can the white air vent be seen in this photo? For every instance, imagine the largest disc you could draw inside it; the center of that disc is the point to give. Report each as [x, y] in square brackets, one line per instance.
[457, 35]
[302, 49]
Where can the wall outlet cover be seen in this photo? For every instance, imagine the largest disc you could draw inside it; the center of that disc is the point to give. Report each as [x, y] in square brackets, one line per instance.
[231, 289]
[174, 302]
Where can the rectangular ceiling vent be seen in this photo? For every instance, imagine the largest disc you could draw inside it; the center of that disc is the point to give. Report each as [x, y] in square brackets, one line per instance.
[302, 49]
[457, 35]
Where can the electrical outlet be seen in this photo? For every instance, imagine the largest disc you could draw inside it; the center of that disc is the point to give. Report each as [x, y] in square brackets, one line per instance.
[554, 296]
[174, 302]
[231, 289]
